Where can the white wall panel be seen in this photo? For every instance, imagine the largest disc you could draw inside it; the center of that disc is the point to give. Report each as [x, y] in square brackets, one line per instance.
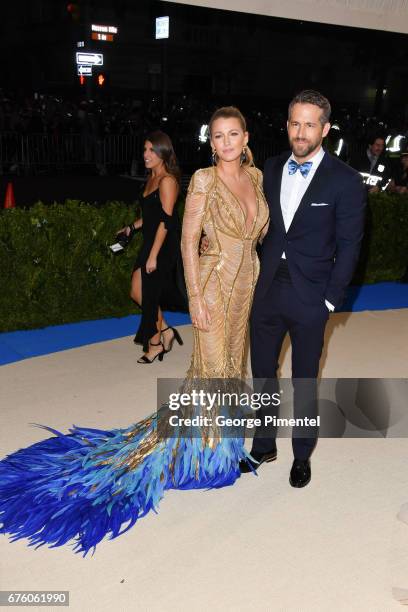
[391, 15]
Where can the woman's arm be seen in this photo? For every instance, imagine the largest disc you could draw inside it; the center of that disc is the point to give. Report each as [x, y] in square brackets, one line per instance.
[168, 190]
[193, 220]
[137, 224]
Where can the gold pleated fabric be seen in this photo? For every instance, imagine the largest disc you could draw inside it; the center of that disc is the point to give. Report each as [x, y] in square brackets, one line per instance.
[225, 275]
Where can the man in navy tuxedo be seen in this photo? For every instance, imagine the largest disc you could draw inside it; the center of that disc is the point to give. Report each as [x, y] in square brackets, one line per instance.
[308, 256]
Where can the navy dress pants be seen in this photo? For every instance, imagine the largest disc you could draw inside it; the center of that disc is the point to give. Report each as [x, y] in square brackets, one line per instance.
[278, 312]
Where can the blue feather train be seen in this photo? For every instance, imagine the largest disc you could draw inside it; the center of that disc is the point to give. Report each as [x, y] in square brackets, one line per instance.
[85, 485]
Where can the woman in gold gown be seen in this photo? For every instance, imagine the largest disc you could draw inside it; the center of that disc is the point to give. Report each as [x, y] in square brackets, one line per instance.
[80, 487]
[221, 282]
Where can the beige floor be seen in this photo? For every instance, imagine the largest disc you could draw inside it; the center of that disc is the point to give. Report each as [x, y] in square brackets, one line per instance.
[259, 545]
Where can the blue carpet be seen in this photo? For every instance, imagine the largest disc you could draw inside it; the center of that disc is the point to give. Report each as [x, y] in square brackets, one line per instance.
[380, 296]
[18, 345]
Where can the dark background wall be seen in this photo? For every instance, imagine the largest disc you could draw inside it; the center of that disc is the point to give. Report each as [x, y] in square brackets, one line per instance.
[49, 189]
[231, 56]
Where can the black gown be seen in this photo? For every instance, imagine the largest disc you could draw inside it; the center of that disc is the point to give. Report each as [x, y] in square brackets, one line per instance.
[165, 287]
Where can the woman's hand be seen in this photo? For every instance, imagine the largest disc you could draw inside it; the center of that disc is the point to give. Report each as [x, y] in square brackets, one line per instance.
[200, 314]
[124, 230]
[151, 264]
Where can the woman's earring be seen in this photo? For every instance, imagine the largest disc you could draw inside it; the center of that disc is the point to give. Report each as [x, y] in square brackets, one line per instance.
[214, 157]
[243, 156]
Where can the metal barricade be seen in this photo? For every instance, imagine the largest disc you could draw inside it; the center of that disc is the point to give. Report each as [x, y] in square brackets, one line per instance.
[112, 153]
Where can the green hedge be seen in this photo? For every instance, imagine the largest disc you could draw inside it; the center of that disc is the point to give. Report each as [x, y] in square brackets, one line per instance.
[384, 252]
[56, 267]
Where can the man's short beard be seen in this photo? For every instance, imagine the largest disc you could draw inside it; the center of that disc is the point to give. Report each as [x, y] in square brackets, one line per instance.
[312, 147]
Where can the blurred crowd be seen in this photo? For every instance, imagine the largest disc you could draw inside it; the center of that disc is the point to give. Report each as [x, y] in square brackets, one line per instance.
[184, 119]
[49, 114]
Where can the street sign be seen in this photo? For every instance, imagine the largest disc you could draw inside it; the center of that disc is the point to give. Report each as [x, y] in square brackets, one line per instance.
[99, 36]
[89, 59]
[162, 27]
[105, 29]
[84, 70]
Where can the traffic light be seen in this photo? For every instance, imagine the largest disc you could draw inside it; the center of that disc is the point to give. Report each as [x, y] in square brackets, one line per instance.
[74, 10]
[82, 80]
[101, 80]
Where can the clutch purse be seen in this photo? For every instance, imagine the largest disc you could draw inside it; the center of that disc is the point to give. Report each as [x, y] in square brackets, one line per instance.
[122, 240]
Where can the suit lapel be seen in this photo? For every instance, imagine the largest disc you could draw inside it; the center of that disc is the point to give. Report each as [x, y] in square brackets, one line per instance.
[276, 191]
[313, 189]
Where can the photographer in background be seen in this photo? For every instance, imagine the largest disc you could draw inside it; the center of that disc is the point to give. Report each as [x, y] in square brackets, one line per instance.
[373, 165]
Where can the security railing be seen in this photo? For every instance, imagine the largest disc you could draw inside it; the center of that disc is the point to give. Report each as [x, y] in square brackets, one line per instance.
[39, 153]
[33, 154]
[122, 153]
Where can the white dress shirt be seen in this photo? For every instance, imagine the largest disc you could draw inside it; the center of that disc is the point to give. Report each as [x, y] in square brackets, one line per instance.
[293, 188]
[373, 159]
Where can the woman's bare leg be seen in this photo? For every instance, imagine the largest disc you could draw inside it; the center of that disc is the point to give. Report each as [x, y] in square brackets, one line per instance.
[136, 287]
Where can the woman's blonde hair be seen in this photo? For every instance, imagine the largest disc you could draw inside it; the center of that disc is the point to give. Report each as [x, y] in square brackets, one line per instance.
[232, 112]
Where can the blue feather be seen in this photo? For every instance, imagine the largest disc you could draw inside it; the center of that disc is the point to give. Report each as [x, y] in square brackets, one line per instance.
[58, 491]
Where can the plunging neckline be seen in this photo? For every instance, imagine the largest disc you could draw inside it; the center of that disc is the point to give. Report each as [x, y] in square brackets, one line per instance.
[241, 207]
[148, 194]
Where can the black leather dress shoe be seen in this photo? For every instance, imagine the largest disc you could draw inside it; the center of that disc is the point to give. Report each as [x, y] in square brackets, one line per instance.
[245, 464]
[300, 474]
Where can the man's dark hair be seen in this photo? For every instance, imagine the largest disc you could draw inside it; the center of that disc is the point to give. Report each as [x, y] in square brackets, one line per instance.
[376, 136]
[309, 96]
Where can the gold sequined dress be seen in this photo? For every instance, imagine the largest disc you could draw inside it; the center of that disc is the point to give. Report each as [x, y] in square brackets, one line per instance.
[225, 275]
[82, 486]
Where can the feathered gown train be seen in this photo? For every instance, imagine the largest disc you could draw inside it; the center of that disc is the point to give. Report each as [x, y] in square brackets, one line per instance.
[92, 483]
[82, 486]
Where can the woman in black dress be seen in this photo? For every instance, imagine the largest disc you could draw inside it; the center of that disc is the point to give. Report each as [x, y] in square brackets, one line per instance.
[153, 273]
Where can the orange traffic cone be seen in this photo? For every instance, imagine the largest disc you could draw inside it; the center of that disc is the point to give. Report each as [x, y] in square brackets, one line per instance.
[9, 201]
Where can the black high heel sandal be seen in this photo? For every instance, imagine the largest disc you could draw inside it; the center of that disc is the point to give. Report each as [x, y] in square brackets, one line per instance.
[176, 336]
[160, 355]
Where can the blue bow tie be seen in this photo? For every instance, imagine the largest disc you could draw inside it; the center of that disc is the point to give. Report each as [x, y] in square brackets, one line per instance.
[304, 168]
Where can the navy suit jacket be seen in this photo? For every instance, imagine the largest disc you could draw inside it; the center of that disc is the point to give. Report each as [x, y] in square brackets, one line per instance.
[323, 242]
